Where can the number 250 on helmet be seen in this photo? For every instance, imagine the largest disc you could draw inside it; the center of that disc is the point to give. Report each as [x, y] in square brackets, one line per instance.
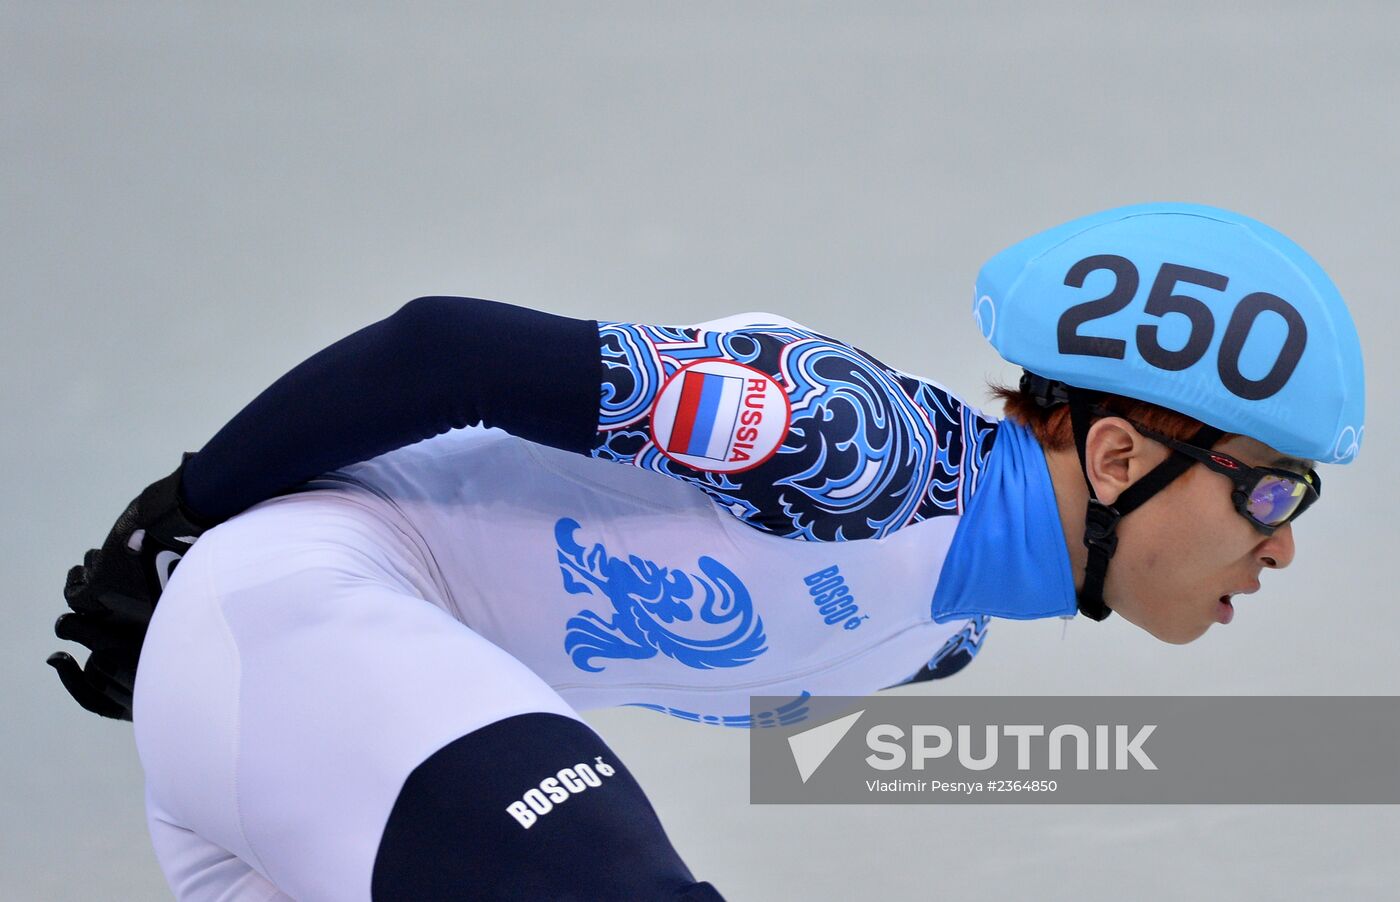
[1196, 309]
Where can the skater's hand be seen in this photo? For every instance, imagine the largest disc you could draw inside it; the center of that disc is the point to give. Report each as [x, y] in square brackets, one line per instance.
[113, 592]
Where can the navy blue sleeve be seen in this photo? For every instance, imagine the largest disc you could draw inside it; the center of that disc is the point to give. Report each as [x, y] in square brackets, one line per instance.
[439, 363]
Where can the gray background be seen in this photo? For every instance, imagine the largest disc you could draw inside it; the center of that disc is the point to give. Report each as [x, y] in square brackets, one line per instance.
[193, 198]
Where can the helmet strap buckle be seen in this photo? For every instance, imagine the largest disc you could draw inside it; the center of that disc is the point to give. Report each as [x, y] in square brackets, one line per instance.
[1101, 538]
[1100, 528]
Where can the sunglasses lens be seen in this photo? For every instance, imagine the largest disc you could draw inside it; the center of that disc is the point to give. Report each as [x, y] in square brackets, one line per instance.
[1276, 498]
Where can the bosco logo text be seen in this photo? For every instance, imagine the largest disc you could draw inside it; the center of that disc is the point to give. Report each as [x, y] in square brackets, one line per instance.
[541, 800]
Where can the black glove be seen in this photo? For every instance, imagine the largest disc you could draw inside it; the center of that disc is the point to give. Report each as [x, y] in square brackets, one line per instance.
[114, 591]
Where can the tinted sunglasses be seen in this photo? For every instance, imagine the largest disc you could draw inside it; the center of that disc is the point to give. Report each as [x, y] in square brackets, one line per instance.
[1267, 497]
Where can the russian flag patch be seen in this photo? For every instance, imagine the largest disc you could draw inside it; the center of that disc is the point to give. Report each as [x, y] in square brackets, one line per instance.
[720, 416]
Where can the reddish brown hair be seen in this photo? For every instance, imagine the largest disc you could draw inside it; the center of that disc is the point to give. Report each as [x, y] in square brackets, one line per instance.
[1051, 426]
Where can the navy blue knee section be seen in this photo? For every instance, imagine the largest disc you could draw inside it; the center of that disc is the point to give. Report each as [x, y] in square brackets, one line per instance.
[535, 806]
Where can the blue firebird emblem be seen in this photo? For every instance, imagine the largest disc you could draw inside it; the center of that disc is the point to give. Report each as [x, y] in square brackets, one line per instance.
[650, 605]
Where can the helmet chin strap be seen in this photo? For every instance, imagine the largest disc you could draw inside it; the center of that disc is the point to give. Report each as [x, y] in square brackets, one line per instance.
[1101, 520]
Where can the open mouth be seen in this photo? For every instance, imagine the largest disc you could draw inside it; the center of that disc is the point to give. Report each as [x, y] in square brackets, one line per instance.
[1224, 611]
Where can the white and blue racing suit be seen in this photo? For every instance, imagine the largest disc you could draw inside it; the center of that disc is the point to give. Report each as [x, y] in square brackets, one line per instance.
[756, 509]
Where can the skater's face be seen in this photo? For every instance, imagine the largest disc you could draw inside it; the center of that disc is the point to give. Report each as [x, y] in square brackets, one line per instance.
[1186, 552]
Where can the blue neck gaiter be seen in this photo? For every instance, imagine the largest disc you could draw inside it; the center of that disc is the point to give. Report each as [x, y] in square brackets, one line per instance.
[1008, 557]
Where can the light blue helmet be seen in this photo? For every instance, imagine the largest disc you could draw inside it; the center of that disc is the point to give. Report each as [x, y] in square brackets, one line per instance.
[1195, 309]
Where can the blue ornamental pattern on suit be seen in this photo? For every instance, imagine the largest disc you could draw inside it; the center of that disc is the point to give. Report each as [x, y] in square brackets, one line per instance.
[957, 652]
[869, 449]
[650, 604]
